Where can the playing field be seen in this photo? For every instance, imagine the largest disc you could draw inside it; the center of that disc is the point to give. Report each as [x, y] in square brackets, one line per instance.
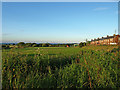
[61, 67]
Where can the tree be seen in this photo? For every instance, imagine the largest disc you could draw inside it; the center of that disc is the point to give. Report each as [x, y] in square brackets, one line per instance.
[34, 45]
[5, 47]
[81, 44]
[88, 42]
[39, 45]
[21, 44]
[84, 44]
[45, 45]
[28, 44]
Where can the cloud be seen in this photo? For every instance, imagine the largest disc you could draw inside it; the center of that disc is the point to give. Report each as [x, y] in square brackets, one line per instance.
[100, 9]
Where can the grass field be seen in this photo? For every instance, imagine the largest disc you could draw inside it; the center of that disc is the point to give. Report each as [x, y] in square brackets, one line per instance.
[61, 67]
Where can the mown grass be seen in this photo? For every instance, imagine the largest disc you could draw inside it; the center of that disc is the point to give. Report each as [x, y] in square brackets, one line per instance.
[60, 67]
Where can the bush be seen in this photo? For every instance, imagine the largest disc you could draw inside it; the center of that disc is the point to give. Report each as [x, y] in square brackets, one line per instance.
[45, 45]
[21, 44]
[5, 47]
[28, 44]
[34, 45]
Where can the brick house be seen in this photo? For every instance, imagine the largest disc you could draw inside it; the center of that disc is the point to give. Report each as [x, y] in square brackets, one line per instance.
[109, 40]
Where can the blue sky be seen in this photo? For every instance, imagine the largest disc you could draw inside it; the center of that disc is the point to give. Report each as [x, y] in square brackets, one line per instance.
[58, 22]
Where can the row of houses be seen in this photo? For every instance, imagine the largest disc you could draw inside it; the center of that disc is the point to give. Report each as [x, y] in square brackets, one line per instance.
[109, 40]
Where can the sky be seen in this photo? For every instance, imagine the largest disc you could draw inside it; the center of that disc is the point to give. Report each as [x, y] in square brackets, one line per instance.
[58, 22]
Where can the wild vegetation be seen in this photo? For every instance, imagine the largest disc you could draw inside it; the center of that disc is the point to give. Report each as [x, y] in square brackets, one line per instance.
[23, 45]
[61, 67]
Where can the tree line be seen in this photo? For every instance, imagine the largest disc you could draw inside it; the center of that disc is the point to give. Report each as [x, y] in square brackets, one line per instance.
[23, 45]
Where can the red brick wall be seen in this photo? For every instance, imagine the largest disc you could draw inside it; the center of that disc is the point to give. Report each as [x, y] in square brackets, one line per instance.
[107, 41]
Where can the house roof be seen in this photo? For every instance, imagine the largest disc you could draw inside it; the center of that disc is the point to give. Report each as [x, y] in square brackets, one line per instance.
[105, 37]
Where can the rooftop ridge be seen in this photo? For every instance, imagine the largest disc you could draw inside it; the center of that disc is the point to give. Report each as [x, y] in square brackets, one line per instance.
[105, 37]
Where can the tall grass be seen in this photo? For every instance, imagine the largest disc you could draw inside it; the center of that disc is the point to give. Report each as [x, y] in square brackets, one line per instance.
[60, 68]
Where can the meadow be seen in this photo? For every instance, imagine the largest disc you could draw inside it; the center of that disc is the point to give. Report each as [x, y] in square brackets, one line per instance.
[61, 67]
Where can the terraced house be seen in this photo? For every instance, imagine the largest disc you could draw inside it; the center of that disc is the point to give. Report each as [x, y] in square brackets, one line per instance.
[109, 40]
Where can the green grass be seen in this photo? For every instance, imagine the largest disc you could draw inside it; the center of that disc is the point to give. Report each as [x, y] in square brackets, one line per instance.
[60, 67]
